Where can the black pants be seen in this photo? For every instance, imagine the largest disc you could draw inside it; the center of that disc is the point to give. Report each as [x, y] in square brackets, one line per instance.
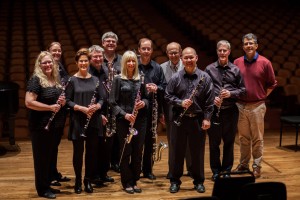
[115, 151]
[226, 131]
[90, 144]
[189, 132]
[42, 149]
[168, 120]
[132, 156]
[104, 156]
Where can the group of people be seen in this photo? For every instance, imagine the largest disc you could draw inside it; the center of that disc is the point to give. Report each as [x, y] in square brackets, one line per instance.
[115, 101]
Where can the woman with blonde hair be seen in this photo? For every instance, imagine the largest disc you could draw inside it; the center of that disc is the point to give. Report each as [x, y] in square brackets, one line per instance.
[128, 99]
[44, 100]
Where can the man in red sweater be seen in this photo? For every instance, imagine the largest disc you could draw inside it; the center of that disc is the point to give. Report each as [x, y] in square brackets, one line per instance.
[259, 79]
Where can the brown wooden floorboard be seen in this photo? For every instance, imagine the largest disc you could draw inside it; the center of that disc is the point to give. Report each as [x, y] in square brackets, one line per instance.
[17, 176]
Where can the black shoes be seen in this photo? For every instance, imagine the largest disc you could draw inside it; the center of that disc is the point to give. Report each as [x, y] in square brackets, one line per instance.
[129, 190]
[48, 194]
[174, 188]
[107, 179]
[77, 188]
[149, 176]
[137, 189]
[115, 167]
[214, 176]
[62, 178]
[88, 186]
[200, 188]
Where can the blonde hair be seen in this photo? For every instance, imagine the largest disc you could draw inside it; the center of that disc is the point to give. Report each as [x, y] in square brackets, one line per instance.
[129, 55]
[38, 72]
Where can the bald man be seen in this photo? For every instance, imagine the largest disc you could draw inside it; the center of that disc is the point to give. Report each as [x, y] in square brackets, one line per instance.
[190, 92]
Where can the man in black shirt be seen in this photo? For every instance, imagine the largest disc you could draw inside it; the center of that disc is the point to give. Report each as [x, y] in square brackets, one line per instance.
[155, 84]
[228, 86]
[190, 92]
[112, 61]
[105, 143]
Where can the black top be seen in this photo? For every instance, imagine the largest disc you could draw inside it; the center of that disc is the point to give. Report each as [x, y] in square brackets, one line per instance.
[123, 94]
[228, 77]
[154, 74]
[102, 75]
[181, 86]
[64, 76]
[116, 63]
[49, 96]
[80, 91]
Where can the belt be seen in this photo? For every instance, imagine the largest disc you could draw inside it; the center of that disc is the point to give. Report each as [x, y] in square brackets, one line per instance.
[190, 115]
[225, 107]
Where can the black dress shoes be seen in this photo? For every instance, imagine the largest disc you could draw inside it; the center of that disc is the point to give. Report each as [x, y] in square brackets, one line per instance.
[107, 179]
[88, 186]
[150, 176]
[129, 190]
[174, 188]
[55, 183]
[214, 176]
[115, 167]
[62, 178]
[226, 176]
[77, 188]
[48, 194]
[200, 188]
[137, 189]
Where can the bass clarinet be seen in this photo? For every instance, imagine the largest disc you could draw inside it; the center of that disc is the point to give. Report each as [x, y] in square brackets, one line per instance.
[63, 93]
[178, 120]
[157, 148]
[93, 100]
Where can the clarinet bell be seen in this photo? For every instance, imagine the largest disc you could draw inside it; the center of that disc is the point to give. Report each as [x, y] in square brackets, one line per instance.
[132, 132]
[177, 123]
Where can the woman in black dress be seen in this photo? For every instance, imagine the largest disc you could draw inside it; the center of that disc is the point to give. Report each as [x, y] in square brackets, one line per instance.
[84, 97]
[129, 103]
[56, 177]
[44, 100]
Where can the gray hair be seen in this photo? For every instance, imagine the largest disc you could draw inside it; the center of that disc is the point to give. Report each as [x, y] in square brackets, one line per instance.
[109, 34]
[250, 36]
[95, 48]
[224, 42]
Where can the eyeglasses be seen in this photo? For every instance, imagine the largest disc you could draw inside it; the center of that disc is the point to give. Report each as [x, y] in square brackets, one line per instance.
[173, 53]
[222, 50]
[110, 41]
[46, 62]
[249, 43]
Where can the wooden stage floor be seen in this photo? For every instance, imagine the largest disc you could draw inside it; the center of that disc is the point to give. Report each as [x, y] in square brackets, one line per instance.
[17, 176]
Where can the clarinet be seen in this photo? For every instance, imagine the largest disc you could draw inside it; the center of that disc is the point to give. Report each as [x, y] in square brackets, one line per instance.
[54, 113]
[178, 120]
[217, 121]
[111, 124]
[93, 100]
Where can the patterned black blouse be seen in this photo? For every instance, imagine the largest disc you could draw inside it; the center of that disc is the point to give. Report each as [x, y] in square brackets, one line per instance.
[49, 96]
